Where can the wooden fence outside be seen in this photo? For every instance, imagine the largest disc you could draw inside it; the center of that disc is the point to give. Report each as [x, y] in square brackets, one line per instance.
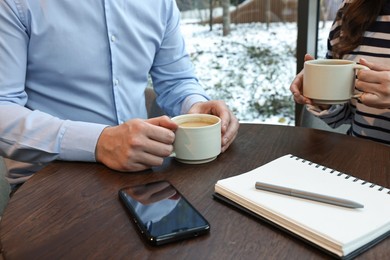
[255, 10]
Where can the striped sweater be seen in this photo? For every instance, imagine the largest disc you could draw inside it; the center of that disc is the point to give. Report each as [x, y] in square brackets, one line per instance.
[366, 122]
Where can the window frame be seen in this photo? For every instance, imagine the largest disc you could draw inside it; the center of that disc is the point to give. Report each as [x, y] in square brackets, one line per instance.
[307, 39]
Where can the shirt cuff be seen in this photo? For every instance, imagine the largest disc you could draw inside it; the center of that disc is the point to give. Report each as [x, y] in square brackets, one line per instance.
[189, 101]
[79, 141]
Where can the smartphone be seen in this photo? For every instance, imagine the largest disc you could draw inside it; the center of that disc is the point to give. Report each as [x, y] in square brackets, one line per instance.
[161, 213]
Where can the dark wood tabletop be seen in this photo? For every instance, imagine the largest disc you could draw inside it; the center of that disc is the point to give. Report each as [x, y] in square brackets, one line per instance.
[71, 210]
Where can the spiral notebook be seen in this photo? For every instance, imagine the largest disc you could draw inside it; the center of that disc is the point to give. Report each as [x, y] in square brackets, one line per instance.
[340, 231]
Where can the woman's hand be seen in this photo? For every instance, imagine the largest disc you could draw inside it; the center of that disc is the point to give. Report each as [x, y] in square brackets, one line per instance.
[375, 85]
[296, 87]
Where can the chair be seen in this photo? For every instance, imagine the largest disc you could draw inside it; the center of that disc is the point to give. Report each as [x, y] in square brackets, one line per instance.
[151, 105]
[309, 120]
[5, 188]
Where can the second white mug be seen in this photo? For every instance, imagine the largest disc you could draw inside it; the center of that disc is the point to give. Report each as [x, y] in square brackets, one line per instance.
[330, 81]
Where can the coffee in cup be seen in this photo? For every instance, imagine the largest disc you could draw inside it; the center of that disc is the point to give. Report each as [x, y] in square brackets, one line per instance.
[197, 139]
[195, 124]
[330, 81]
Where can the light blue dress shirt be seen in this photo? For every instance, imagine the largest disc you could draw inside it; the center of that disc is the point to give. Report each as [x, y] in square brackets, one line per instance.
[69, 68]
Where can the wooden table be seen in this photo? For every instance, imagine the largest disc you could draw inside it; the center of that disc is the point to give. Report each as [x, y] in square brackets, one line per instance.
[71, 210]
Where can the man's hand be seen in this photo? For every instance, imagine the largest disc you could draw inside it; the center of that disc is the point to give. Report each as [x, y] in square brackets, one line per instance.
[229, 122]
[136, 144]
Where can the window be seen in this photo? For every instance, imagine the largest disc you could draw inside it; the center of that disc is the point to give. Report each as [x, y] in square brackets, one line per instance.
[252, 67]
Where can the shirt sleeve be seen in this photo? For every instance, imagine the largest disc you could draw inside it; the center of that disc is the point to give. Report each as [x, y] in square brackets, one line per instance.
[335, 116]
[190, 101]
[172, 72]
[36, 137]
[32, 135]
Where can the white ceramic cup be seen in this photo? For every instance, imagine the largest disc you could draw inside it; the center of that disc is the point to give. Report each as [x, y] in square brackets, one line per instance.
[330, 81]
[198, 138]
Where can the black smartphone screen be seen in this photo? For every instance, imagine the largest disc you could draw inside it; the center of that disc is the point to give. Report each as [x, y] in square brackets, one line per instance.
[162, 214]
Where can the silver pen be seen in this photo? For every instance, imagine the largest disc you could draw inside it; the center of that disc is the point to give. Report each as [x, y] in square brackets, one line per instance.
[308, 195]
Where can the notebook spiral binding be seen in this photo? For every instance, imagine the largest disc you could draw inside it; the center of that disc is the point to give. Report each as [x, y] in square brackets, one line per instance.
[341, 174]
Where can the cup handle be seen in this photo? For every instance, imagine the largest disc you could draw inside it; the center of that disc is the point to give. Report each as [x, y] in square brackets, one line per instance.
[360, 67]
[357, 96]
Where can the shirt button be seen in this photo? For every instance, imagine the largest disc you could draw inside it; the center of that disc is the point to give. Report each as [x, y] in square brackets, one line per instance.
[116, 82]
[113, 38]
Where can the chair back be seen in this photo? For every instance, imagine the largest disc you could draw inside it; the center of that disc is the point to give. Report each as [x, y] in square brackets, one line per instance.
[151, 105]
[5, 188]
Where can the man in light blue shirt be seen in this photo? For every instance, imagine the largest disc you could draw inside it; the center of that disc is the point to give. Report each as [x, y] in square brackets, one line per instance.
[72, 82]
